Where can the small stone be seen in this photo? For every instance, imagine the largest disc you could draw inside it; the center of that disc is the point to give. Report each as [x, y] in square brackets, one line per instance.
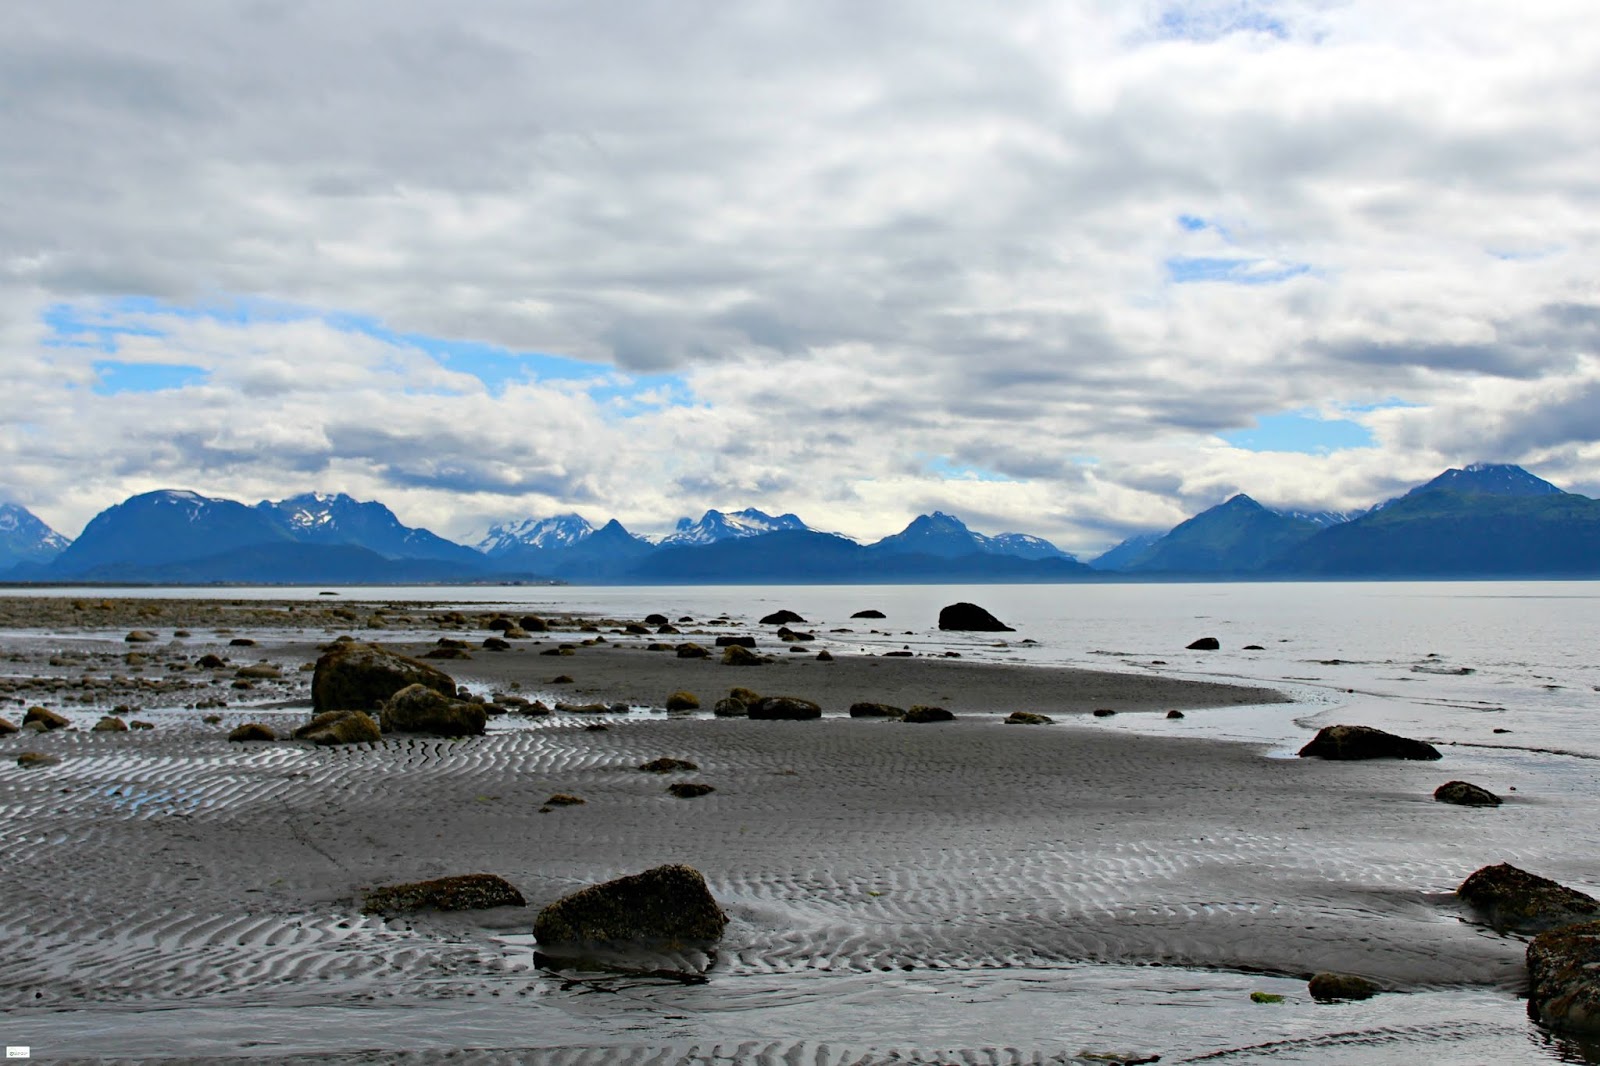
[1103, 712]
[252, 731]
[1174, 714]
[689, 789]
[667, 765]
[1465, 794]
[564, 799]
[34, 760]
[140, 636]
[460, 893]
[1333, 987]
[920, 713]
[1028, 718]
[241, 642]
[787, 708]
[110, 724]
[824, 656]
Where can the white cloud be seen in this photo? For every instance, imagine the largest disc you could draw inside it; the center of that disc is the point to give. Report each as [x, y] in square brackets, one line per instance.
[857, 236]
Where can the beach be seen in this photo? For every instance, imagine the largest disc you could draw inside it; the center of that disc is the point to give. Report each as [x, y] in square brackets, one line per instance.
[1155, 877]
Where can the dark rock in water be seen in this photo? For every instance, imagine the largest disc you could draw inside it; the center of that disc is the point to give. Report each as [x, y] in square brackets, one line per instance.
[737, 655]
[689, 789]
[667, 630]
[691, 650]
[1205, 644]
[666, 765]
[787, 708]
[496, 644]
[1365, 742]
[110, 724]
[1028, 718]
[241, 642]
[869, 613]
[876, 710]
[47, 718]
[1333, 987]
[732, 641]
[782, 618]
[210, 661]
[420, 709]
[1514, 900]
[140, 636]
[598, 727]
[824, 656]
[1103, 712]
[1564, 979]
[35, 760]
[467, 892]
[532, 623]
[251, 731]
[339, 727]
[969, 616]
[500, 624]
[136, 724]
[728, 707]
[655, 619]
[1466, 794]
[668, 908]
[683, 701]
[635, 629]
[447, 653]
[921, 713]
[7, 727]
[1254, 647]
[358, 677]
[1174, 714]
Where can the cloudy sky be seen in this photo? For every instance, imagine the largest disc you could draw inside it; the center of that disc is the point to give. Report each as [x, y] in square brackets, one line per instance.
[1070, 267]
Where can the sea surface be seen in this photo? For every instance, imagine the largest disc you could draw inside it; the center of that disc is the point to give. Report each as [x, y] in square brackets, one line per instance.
[1505, 675]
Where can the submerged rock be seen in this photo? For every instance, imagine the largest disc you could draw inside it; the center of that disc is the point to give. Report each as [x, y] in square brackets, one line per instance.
[361, 676]
[1465, 794]
[668, 907]
[969, 616]
[340, 727]
[421, 709]
[869, 613]
[1515, 900]
[465, 892]
[1333, 987]
[1564, 979]
[1365, 742]
[787, 708]
[1205, 644]
[667, 765]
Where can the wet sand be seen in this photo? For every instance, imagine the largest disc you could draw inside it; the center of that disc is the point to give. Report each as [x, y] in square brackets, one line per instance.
[170, 871]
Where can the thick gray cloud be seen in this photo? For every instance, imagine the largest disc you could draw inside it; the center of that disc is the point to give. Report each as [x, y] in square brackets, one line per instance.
[1027, 260]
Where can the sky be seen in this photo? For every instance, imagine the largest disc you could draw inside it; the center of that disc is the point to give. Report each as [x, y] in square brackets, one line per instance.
[1075, 268]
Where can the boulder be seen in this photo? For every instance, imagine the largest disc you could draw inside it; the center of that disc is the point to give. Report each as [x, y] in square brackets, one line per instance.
[683, 701]
[501, 624]
[1513, 900]
[47, 718]
[140, 636]
[496, 644]
[1028, 718]
[668, 907]
[241, 642]
[727, 641]
[447, 653]
[1175, 714]
[340, 727]
[466, 892]
[824, 656]
[656, 619]
[969, 616]
[743, 695]
[690, 650]
[689, 789]
[7, 727]
[1564, 979]
[787, 708]
[211, 661]
[532, 623]
[259, 672]
[35, 760]
[1466, 794]
[421, 709]
[667, 765]
[136, 724]
[869, 613]
[737, 655]
[110, 724]
[782, 618]
[1365, 742]
[728, 707]
[252, 731]
[1333, 987]
[361, 676]
[921, 713]
[867, 709]
[1205, 644]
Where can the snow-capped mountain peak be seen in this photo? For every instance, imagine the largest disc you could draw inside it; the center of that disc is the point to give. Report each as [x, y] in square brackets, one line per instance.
[25, 538]
[558, 531]
[716, 526]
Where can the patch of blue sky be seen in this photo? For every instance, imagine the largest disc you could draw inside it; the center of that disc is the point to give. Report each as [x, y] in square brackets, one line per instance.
[1188, 270]
[945, 467]
[1193, 223]
[1301, 431]
[72, 326]
[114, 377]
[1212, 21]
[1387, 404]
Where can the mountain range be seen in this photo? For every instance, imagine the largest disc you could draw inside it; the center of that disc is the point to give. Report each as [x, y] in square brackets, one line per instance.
[1486, 520]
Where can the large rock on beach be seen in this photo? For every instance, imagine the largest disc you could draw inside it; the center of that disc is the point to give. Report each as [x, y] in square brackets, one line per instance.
[727, 641]
[868, 709]
[728, 707]
[7, 727]
[1334, 987]
[1564, 979]
[969, 616]
[251, 732]
[739, 655]
[1365, 742]
[47, 718]
[421, 709]
[787, 708]
[1514, 900]
[340, 727]
[667, 908]
[110, 724]
[1465, 794]
[1028, 718]
[782, 618]
[37, 760]
[466, 892]
[358, 677]
[922, 713]
[1204, 644]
